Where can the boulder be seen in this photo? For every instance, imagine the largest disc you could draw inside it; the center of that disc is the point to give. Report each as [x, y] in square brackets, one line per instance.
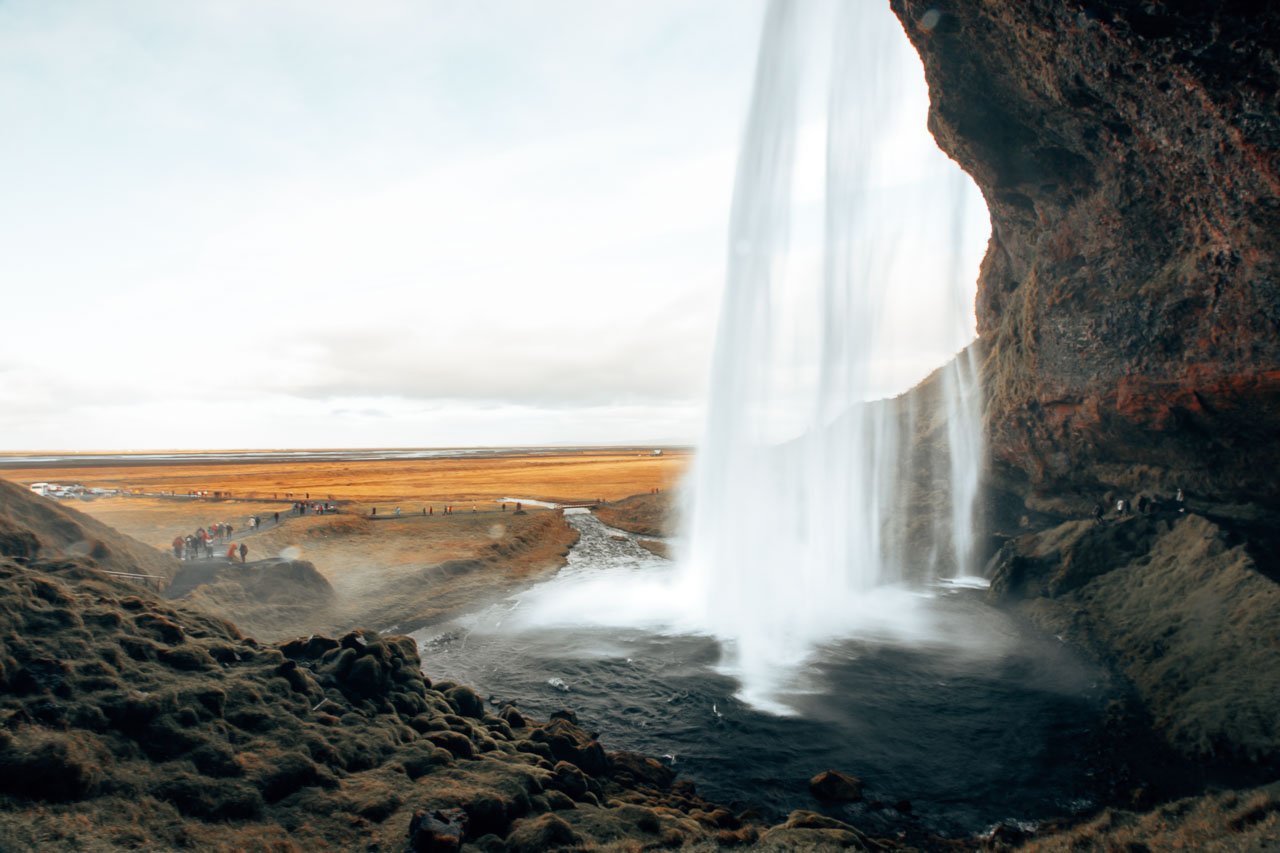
[835, 787]
[439, 831]
[547, 832]
[569, 779]
[466, 702]
[570, 743]
[513, 717]
[631, 768]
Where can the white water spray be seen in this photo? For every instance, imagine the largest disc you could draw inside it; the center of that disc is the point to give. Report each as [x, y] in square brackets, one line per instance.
[840, 291]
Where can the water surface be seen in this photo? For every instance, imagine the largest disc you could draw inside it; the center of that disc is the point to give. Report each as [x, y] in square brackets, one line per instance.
[973, 721]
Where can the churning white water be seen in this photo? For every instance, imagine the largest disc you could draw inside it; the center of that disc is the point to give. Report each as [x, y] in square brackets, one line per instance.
[841, 291]
[816, 511]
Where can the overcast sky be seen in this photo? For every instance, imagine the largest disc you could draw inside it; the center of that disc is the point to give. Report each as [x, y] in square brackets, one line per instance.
[325, 224]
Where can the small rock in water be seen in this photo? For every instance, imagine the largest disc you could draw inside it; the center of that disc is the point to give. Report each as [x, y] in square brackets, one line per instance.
[834, 786]
[1006, 833]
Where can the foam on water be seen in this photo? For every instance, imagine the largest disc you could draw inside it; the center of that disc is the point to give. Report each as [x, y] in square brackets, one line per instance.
[959, 709]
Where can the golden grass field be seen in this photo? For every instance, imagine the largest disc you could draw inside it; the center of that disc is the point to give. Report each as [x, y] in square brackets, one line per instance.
[559, 476]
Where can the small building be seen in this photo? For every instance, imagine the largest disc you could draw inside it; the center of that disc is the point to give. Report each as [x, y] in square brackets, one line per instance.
[657, 452]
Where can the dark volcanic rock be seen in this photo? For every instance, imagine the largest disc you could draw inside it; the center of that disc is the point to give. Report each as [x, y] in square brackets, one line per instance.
[1129, 302]
[437, 832]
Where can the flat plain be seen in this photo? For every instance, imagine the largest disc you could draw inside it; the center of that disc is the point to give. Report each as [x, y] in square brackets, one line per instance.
[386, 570]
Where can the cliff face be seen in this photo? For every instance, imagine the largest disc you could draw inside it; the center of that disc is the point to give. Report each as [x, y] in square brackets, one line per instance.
[1129, 301]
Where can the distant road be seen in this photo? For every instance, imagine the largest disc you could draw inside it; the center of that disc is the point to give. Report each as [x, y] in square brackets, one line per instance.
[220, 457]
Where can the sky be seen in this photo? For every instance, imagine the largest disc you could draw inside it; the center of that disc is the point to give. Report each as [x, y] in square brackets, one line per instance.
[322, 224]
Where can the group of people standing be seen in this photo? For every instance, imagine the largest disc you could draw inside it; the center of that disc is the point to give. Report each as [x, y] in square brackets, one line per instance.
[313, 507]
[447, 509]
[1144, 506]
[192, 545]
[200, 543]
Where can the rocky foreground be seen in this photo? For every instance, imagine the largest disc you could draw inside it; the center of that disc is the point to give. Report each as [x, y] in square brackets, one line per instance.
[129, 722]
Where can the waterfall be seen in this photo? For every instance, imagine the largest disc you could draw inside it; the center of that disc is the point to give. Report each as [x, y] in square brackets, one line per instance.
[806, 516]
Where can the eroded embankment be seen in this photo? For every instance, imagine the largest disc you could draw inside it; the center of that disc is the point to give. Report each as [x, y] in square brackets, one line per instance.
[1175, 603]
[644, 515]
[31, 526]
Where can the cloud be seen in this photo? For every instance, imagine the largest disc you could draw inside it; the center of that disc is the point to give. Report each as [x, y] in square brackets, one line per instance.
[494, 204]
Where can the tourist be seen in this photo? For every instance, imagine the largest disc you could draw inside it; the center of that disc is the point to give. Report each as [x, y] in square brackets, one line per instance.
[397, 511]
[231, 552]
[1180, 499]
[177, 547]
[277, 517]
[1097, 513]
[244, 549]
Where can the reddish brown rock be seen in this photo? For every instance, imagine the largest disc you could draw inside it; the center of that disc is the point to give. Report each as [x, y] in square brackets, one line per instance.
[570, 743]
[836, 787]
[1129, 301]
